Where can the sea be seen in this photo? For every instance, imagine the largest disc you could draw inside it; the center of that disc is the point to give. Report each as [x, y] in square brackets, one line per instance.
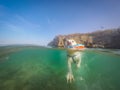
[42, 68]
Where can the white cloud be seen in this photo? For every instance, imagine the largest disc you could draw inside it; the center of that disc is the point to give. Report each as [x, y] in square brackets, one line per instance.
[23, 28]
[27, 23]
[20, 24]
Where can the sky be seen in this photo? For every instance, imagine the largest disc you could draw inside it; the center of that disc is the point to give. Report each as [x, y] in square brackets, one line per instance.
[39, 21]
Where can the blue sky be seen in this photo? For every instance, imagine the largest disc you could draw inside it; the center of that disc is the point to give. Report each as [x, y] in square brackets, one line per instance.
[39, 21]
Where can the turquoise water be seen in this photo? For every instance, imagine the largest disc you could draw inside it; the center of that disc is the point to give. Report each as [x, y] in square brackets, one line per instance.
[46, 69]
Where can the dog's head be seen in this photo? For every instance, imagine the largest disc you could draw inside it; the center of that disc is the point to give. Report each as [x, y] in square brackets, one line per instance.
[69, 42]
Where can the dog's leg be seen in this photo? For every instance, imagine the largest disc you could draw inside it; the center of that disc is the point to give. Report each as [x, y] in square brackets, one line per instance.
[70, 76]
[78, 56]
[79, 59]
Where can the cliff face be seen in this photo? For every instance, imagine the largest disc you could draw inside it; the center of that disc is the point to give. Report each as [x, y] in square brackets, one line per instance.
[101, 39]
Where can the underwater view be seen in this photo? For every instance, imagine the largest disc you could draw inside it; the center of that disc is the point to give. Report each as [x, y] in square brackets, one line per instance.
[59, 45]
[40, 68]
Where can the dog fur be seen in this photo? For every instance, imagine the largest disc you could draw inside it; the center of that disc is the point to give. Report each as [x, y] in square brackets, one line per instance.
[74, 56]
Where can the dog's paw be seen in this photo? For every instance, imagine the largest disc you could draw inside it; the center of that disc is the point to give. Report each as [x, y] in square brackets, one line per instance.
[70, 77]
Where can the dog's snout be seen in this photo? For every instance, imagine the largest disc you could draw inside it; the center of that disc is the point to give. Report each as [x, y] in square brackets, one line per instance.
[68, 43]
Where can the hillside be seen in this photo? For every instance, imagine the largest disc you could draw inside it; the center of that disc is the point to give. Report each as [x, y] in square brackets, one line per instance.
[98, 39]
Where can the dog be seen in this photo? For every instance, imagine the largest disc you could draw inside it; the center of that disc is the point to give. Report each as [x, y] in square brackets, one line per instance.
[74, 56]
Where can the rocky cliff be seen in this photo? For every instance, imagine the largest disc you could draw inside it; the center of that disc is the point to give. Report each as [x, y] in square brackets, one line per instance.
[98, 39]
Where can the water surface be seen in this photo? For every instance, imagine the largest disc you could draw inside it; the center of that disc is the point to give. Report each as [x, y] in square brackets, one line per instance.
[35, 68]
